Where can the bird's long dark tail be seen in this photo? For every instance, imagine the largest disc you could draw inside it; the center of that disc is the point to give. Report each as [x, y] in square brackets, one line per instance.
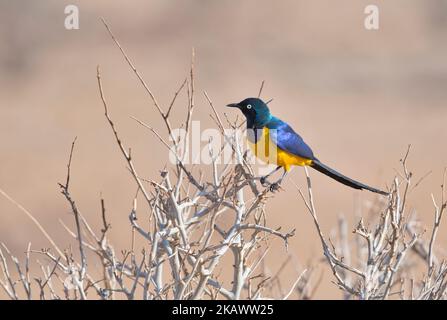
[317, 165]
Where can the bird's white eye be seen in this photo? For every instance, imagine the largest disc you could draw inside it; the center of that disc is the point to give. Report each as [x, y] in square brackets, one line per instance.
[249, 106]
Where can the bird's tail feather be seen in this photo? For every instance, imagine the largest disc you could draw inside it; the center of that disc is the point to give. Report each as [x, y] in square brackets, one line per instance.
[317, 165]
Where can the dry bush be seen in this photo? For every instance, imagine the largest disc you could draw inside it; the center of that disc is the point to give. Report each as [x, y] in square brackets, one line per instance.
[384, 257]
[186, 244]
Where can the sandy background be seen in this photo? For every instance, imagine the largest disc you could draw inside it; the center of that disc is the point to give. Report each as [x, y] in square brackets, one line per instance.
[358, 98]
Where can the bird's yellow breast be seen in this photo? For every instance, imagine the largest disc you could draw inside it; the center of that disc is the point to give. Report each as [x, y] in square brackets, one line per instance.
[267, 151]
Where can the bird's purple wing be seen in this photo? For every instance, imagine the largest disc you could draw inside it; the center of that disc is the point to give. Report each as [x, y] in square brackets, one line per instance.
[288, 140]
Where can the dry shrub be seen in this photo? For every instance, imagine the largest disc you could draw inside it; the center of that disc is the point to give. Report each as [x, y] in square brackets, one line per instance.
[185, 245]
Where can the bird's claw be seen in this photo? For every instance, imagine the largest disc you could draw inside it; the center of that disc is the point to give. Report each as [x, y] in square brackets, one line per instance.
[264, 182]
[274, 187]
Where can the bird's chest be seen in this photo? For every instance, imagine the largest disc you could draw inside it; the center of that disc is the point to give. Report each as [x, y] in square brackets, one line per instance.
[261, 145]
[264, 148]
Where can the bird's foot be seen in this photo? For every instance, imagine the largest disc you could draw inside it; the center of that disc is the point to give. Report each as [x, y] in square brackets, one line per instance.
[264, 181]
[273, 187]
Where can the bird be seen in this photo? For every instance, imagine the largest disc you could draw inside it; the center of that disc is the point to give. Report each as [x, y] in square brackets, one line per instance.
[267, 133]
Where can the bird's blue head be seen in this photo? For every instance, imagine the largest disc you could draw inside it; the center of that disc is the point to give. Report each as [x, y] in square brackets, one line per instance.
[255, 110]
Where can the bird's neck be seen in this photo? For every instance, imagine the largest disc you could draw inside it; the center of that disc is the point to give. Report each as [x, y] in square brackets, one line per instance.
[259, 122]
[251, 124]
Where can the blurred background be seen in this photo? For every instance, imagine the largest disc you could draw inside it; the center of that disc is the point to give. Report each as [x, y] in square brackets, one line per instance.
[358, 97]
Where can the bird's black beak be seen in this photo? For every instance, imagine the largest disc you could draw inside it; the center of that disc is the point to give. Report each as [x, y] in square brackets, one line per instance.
[233, 105]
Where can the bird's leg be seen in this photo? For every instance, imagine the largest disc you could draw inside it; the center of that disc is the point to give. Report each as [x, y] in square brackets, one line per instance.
[275, 186]
[263, 179]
